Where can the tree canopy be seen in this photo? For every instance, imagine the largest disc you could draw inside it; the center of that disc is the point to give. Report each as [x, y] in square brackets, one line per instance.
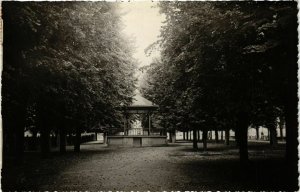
[226, 65]
[68, 61]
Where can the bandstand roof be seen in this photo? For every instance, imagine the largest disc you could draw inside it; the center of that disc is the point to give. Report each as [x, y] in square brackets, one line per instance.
[139, 101]
[141, 105]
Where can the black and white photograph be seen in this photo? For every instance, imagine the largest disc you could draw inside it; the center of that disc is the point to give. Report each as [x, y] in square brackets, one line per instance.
[149, 96]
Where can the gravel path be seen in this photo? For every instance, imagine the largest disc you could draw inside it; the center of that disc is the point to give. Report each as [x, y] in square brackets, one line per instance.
[121, 169]
[175, 167]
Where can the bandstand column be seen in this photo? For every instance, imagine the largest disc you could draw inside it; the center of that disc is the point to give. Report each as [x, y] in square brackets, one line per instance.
[149, 117]
[124, 126]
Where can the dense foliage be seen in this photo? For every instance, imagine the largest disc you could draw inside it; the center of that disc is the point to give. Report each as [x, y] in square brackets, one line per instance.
[227, 65]
[66, 67]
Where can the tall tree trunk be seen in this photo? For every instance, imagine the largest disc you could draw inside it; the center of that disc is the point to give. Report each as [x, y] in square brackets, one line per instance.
[242, 135]
[187, 135]
[281, 123]
[257, 132]
[183, 133]
[198, 135]
[227, 132]
[291, 107]
[291, 141]
[195, 142]
[45, 141]
[281, 133]
[173, 136]
[54, 140]
[216, 136]
[33, 145]
[44, 127]
[8, 139]
[273, 134]
[222, 136]
[244, 143]
[19, 145]
[204, 139]
[291, 134]
[95, 138]
[104, 137]
[62, 139]
[77, 139]
[236, 136]
[170, 137]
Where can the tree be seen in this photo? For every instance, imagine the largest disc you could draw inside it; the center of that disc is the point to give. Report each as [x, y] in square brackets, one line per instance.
[70, 61]
[222, 54]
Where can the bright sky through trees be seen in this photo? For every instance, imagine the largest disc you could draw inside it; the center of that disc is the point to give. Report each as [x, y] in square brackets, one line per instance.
[142, 22]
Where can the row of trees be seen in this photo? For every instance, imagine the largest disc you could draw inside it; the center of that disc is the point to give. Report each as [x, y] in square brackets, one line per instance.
[66, 67]
[227, 65]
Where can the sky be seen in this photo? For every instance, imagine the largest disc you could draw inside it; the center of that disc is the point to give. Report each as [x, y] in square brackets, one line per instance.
[142, 22]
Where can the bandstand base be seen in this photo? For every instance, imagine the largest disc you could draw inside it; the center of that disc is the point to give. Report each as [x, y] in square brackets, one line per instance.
[136, 141]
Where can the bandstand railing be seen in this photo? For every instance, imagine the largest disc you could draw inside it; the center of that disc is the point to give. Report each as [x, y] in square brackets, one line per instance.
[137, 131]
[140, 131]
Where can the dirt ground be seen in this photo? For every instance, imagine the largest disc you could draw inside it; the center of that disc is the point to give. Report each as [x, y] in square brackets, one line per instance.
[174, 167]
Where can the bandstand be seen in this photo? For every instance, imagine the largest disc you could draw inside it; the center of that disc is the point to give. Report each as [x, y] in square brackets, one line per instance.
[135, 134]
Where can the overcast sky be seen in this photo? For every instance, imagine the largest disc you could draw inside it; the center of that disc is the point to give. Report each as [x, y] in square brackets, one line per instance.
[143, 22]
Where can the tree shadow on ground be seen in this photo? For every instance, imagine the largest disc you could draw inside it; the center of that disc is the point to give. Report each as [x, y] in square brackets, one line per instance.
[221, 147]
[222, 174]
[219, 168]
[42, 170]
